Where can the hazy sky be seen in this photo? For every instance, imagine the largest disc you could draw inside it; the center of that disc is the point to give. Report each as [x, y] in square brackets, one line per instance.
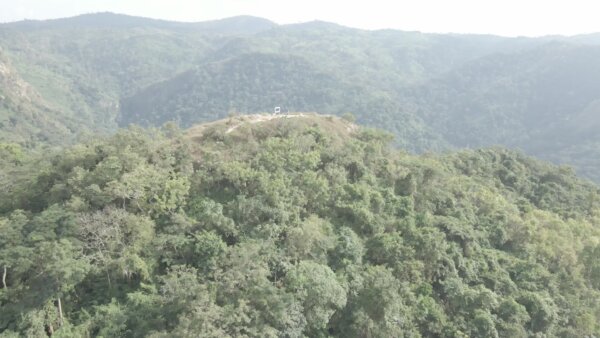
[503, 17]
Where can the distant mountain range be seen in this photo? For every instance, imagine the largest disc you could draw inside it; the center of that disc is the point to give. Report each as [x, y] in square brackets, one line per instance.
[432, 91]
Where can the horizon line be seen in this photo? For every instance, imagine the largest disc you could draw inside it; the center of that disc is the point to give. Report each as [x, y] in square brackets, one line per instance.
[24, 20]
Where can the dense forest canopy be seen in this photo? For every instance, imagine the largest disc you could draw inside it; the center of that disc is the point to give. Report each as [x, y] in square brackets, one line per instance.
[432, 91]
[293, 226]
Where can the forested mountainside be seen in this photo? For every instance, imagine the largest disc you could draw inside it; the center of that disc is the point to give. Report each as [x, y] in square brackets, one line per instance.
[545, 100]
[25, 117]
[300, 225]
[432, 91]
[251, 82]
[84, 66]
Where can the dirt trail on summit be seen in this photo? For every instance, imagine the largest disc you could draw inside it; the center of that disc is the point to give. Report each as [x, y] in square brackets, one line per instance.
[261, 118]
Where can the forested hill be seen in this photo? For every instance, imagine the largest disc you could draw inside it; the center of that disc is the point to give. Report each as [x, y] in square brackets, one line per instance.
[299, 225]
[432, 91]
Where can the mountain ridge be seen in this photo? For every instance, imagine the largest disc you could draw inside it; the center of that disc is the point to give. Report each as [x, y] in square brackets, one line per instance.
[100, 17]
[111, 19]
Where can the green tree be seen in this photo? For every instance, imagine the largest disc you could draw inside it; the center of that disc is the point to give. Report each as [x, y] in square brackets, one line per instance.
[318, 290]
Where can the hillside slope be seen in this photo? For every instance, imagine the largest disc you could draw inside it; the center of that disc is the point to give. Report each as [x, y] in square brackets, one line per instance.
[82, 66]
[544, 101]
[512, 97]
[25, 117]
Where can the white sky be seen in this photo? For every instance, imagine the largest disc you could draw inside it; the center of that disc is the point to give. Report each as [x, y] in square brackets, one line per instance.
[501, 17]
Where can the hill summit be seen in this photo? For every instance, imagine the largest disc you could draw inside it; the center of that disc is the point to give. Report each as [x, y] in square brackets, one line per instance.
[266, 124]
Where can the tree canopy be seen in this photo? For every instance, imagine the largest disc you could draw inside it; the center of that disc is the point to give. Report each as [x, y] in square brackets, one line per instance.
[293, 227]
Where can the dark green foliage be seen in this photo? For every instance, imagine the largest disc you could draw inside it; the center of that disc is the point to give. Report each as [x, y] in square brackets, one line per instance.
[293, 227]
